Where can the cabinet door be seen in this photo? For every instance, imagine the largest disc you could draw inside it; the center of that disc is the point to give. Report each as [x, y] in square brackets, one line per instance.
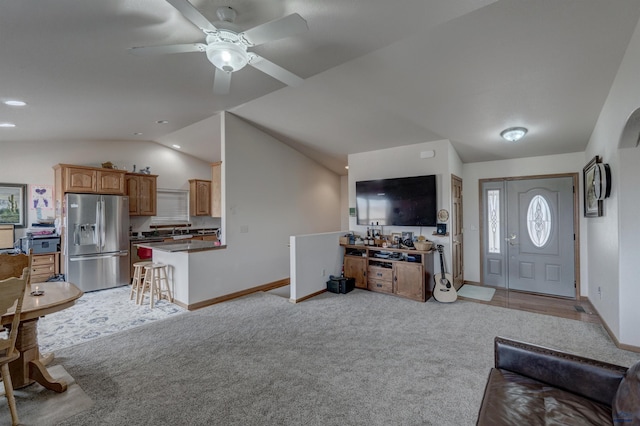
[132, 190]
[355, 267]
[199, 197]
[147, 195]
[79, 180]
[204, 198]
[109, 182]
[409, 280]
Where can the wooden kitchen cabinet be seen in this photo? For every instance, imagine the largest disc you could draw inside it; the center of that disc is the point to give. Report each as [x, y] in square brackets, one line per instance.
[216, 189]
[199, 197]
[141, 190]
[90, 180]
[43, 266]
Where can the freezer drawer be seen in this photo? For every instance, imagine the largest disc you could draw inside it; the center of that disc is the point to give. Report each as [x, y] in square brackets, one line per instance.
[98, 272]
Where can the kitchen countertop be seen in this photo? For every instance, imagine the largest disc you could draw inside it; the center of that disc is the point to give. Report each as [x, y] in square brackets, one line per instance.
[178, 245]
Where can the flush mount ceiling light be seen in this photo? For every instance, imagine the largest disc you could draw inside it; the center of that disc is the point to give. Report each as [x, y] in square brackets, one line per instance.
[513, 134]
[176, 146]
[7, 125]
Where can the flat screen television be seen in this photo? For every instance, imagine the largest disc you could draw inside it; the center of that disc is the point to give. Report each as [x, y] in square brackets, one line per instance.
[408, 201]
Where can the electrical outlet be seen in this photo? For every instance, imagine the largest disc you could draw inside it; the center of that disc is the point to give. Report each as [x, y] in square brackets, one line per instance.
[600, 292]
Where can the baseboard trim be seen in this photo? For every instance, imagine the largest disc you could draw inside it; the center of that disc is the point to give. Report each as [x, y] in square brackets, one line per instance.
[612, 335]
[302, 299]
[227, 297]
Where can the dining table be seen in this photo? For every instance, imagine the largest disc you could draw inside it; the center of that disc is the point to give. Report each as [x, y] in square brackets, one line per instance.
[40, 299]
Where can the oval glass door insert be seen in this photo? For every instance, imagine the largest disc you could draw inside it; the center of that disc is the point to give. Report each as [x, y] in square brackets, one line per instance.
[539, 221]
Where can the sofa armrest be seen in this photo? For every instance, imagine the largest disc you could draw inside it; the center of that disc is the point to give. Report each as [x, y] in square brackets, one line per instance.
[590, 378]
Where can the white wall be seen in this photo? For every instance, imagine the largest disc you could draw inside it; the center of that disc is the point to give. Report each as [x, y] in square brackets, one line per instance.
[271, 192]
[473, 172]
[344, 202]
[314, 258]
[32, 162]
[403, 161]
[614, 247]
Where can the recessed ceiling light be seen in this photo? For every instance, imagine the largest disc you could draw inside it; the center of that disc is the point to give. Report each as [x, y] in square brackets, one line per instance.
[346, 167]
[137, 134]
[513, 134]
[176, 146]
[162, 121]
[7, 125]
[14, 102]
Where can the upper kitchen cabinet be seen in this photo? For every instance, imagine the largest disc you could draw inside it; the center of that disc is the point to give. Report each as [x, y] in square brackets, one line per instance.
[216, 189]
[92, 180]
[141, 190]
[199, 197]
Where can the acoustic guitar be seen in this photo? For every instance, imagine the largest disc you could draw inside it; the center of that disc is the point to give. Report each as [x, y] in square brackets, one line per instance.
[444, 291]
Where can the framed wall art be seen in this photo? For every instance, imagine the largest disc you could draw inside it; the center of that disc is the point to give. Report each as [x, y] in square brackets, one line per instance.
[13, 204]
[593, 207]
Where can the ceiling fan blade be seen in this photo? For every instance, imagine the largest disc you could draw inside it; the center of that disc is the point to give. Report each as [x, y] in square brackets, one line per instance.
[274, 30]
[221, 82]
[191, 13]
[275, 71]
[172, 48]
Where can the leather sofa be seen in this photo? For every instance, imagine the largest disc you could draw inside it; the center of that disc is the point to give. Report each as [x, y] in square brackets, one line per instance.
[534, 385]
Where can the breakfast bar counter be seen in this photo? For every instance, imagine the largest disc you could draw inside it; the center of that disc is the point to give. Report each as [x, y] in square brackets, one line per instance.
[190, 267]
[182, 245]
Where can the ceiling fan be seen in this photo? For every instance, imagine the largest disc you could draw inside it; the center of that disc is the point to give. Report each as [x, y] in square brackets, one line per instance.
[227, 49]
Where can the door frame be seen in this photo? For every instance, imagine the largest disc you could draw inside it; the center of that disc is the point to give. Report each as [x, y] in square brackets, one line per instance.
[576, 219]
[456, 230]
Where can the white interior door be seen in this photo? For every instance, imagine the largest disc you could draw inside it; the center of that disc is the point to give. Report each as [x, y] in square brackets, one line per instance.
[528, 235]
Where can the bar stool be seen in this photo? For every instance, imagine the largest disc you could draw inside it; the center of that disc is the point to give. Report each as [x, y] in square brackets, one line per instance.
[157, 281]
[137, 283]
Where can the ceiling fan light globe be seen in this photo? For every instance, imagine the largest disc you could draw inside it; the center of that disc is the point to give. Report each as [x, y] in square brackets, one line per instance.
[227, 57]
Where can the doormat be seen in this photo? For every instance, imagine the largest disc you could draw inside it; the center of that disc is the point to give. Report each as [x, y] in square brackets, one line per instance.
[40, 406]
[476, 292]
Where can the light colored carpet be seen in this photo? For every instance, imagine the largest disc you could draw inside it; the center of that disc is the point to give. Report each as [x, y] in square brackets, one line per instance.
[42, 407]
[477, 292]
[96, 314]
[356, 359]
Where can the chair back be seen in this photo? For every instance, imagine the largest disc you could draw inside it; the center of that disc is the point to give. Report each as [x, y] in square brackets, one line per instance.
[11, 265]
[11, 296]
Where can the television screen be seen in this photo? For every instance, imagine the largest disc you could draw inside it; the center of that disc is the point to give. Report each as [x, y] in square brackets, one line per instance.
[409, 201]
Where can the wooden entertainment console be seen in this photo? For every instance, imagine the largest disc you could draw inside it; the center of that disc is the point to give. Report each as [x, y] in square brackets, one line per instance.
[402, 272]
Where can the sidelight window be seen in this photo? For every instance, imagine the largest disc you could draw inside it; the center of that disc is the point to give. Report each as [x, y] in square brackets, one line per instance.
[493, 218]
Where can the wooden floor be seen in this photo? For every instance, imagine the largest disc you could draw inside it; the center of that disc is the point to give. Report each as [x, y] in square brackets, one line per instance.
[580, 310]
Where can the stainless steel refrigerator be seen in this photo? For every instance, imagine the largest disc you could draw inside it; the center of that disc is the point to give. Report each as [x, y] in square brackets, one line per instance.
[96, 243]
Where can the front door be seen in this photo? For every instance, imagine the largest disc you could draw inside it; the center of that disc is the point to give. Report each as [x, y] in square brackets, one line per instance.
[528, 229]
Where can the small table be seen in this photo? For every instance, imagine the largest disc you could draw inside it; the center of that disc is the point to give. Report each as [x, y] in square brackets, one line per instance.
[30, 367]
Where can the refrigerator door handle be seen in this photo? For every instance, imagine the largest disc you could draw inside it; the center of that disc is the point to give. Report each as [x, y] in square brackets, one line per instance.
[105, 256]
[103, 218]
[96, 228]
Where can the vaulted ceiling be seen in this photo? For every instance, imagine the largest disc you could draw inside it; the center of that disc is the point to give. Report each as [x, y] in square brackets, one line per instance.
[377, 73]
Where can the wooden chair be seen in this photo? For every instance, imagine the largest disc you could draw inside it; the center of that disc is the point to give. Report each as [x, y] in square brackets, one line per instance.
[11, 295]
[11, 265]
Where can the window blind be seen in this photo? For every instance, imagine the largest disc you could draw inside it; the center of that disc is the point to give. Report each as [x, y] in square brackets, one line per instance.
[172, 207]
